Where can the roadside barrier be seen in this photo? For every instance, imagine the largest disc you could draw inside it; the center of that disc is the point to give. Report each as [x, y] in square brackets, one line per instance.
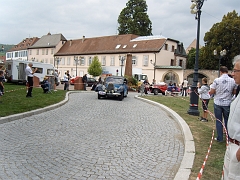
[206, 158]
[14, 90]
[213, 118]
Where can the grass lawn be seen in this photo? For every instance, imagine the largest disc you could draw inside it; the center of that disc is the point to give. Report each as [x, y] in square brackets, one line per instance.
[202, 133]
[15, 101]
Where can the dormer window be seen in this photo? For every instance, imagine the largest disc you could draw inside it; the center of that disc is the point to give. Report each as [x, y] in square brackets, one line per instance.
[124, 46]
[118, 46]
[135, 45]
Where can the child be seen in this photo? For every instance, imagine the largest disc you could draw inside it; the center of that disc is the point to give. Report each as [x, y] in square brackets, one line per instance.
[1, 85]
[45, 85]
[205, 96]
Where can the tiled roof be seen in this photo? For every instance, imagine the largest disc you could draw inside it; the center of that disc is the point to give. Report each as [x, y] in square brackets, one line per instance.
[24, 44]
[110, 45]
[48, 41]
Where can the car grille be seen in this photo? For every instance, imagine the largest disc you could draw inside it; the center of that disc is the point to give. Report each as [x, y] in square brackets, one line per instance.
[110, 87]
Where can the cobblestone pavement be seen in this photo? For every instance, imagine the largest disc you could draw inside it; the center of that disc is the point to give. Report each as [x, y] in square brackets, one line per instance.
[92, 139]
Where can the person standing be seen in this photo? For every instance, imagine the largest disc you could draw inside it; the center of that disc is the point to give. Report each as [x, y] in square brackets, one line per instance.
[85, 82]
[204, 96]
[66, 81]
[231, 165]
[184, 87]
[223, 89]
[29, 73]
[1, 84]
[56, 79]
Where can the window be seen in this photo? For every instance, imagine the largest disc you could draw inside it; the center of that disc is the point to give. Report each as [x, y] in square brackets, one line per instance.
[46, 60]
[63, 61]
[50, 72]
[46, 51]
[9, 67]
[16, 54]
[112, 62]
[134, 60]
[82, 62]
[30, 52]
[118, 46]
[51, 61]
[124, 46]
[103, 60]
[181, 62]
[172, 62]
[43, 51]
[39, 70]
[173, 48]
[68, 60]
[89, 60]
[135, 45]
[37, 53]
[51, 51]
[145, 60]
[9, 55]
[166, 46]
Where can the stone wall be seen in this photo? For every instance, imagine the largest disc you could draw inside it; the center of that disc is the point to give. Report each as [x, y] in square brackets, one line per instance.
[210, 74]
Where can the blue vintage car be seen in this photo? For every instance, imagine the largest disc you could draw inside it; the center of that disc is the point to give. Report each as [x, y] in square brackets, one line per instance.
[113, 86]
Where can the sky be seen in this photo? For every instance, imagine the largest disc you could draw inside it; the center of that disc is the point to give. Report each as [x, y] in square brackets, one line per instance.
[21, 19]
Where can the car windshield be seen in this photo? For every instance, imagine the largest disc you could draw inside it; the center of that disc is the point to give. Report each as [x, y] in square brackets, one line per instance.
[114, 80]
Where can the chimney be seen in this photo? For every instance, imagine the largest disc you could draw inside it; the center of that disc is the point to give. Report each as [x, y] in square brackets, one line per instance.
[70, 43]
[83, 38]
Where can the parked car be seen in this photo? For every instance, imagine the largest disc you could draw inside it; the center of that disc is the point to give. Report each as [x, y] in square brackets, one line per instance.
[158, 88]
[90, 81]
[113, 86]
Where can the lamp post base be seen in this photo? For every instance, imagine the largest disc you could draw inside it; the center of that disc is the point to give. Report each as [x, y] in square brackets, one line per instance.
[193, 109]
[193, 112]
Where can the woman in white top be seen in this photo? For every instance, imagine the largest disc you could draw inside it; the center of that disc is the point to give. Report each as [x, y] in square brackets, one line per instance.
[204, 96]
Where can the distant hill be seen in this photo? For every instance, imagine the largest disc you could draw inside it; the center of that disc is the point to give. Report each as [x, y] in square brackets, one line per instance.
[6, 48]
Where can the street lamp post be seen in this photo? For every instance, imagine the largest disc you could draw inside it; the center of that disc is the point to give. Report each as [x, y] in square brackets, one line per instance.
[222, 53]
[154, 66]
[57, 59]
[193, 107]
[76, 59]
[122, 59]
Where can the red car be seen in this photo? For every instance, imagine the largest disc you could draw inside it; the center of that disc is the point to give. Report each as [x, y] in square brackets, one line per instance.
[158, 88]
[90, 81]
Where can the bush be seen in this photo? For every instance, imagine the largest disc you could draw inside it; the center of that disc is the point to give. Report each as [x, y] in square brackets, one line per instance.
[131, 81]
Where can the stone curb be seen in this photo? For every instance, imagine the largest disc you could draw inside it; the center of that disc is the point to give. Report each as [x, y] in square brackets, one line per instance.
[184, 170]
[38, 111]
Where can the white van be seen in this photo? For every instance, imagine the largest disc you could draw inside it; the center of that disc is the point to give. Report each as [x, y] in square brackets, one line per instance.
[16, 70]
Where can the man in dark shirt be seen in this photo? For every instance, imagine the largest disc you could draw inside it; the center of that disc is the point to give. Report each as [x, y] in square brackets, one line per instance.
[85, 81]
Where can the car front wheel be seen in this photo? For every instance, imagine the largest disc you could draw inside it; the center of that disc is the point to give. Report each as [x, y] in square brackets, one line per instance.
[99, 97]
[120, 98]
[155, 91]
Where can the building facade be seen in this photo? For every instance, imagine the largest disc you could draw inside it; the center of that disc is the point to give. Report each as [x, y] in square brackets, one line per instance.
[160, 58]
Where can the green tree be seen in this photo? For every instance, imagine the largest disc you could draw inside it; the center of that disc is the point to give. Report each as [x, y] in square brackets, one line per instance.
[95, 69]
[134, 19]
[191, 58]
[222, 35]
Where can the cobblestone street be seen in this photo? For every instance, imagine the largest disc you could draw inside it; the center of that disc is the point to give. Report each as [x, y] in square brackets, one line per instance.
[87, 138]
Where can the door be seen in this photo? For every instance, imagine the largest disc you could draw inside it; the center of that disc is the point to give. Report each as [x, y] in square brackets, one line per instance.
[21, 72]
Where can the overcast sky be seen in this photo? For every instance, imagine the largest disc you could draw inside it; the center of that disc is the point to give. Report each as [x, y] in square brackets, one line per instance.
[21, 19]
